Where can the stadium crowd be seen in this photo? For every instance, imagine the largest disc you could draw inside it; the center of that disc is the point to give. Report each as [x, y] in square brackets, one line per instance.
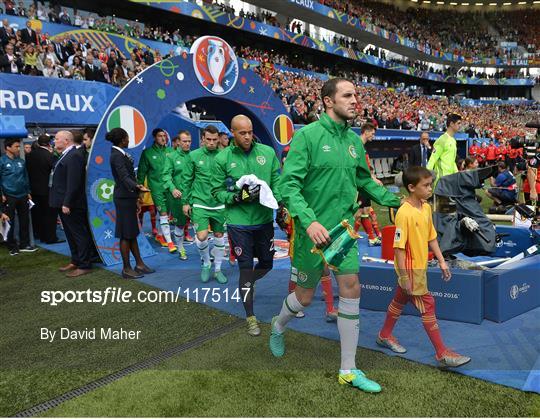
[396, 109]
[64, 57]
[86, 20]
[462, 34]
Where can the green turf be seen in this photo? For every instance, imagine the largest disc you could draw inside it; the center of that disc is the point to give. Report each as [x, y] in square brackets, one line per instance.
[231, 376]
[33, 370]
[237, 376]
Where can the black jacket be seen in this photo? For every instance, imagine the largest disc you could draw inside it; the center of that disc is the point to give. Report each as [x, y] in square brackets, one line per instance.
[415, 156]
[124, 175]
[39, 164]
[5, 65]
[29, 38]
[68, 186]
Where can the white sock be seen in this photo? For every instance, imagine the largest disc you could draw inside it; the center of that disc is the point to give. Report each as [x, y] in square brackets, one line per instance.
[179, 233]
[165, 228]
[290, 307]
[203, 250]
[348, 324]
[219, 252]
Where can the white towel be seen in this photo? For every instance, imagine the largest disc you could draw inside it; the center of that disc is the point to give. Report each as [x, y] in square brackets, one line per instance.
[266, 197]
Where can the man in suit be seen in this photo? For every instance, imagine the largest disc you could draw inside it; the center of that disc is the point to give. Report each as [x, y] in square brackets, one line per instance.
[39, 164]
[28, 35]
[421, 152]
[92, 69]
[11, 61]
[68, 195]
[4, 35]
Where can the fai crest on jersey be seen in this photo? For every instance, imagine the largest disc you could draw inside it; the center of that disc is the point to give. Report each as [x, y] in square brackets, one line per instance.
[261, 160]
[352, 151]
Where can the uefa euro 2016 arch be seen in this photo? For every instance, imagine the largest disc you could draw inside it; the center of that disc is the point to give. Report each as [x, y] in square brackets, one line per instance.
[211, 76]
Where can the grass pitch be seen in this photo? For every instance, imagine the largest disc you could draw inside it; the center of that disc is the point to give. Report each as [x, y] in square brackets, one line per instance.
[234, 375]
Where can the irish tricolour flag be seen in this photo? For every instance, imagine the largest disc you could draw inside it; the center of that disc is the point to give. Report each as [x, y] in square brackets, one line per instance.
[131, 120]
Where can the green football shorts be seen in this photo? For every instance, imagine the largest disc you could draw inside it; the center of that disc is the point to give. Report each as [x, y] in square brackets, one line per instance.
[310, 266]
[161, 199]
[202, 218]
[175, 207]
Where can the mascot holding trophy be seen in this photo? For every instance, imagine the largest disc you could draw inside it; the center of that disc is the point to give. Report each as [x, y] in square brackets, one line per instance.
[323, 172]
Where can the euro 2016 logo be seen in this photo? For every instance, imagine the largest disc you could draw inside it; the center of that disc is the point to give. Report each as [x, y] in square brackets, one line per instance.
[215, 64]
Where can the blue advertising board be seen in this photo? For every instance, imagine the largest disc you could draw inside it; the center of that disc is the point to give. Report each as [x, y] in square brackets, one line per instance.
[60, 101]
[460, 299]
[512, 289]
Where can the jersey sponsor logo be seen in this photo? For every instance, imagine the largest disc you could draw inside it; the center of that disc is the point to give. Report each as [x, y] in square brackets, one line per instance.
[326, 148]
[238, 251]
[352, 151]
[261, 160]
[397, 235]
[215, 64]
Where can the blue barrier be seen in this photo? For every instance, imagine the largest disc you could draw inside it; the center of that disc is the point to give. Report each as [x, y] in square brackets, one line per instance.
[12, 126]
[513, 241]
[461, 299]
[512, 290]
[403, 134]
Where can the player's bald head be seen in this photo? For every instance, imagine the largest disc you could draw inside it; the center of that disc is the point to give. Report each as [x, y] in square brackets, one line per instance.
[242, 130]
[240, 121]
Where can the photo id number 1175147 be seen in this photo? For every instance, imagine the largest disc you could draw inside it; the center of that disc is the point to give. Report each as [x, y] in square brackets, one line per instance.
[215, 295]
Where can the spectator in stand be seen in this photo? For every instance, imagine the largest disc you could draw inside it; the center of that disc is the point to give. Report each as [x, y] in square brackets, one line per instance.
[11, 61]
[28, 35]
[50, 69]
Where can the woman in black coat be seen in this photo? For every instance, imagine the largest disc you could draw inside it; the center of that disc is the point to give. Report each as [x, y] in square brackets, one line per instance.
[126, 195]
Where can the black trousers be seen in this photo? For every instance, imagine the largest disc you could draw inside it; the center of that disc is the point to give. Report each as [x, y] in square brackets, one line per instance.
[78, 237]
[20, 207]
[246, 244]
[44, 219]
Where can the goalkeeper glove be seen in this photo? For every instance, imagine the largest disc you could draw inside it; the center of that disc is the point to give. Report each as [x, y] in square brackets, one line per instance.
[248, 194]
